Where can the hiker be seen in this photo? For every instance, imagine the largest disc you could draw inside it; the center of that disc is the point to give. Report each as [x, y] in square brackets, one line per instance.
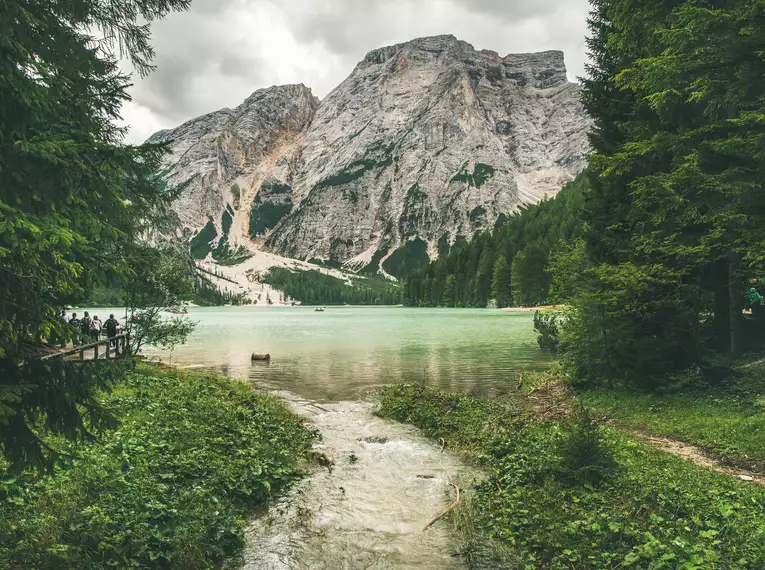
[74, 321]
[95, 328]
[85, 324]
[64, 317]
[111, 326]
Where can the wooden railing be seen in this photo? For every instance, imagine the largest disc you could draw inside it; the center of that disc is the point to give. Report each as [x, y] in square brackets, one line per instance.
[120, 344]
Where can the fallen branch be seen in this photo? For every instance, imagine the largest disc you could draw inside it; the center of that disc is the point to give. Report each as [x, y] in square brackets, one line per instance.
[443, 444]
[447, 511]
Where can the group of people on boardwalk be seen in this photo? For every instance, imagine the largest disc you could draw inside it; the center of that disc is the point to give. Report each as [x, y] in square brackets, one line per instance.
[92, 327]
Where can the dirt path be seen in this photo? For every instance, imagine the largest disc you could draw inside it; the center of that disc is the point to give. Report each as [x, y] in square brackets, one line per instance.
[551, 400]
[696, 455]
[386, 484]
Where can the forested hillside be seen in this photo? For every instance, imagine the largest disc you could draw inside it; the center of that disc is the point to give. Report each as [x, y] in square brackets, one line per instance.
[508, 265]
[315, 288]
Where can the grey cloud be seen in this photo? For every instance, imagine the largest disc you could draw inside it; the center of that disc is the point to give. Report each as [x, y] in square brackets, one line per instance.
[196, 65]
[208, 58]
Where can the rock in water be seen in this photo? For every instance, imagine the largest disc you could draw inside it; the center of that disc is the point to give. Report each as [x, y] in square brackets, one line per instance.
[424, 142]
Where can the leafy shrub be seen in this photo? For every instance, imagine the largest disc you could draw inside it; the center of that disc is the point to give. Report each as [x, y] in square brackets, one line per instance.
[650, 510]
[546, 324]
[170, 487]
[582, 450]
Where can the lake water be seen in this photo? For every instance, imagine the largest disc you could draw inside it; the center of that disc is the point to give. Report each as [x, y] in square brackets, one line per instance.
[388, 481]
[343, 352]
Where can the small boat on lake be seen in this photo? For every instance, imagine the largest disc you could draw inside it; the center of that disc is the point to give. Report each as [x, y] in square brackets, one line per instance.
[179, 312]
[318, 310]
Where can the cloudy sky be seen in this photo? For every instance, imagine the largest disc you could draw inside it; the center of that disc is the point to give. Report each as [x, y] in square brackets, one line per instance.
[220, 51]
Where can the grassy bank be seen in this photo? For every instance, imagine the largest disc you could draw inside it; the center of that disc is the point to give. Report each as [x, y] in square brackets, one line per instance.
[171, 487]
[727, 419]
[563, 492]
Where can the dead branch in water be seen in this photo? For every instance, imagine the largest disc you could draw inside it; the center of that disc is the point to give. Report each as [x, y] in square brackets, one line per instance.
[447, 511]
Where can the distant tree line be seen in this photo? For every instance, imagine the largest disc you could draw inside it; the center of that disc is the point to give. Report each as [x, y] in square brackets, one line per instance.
[316, 288]
[509, 265]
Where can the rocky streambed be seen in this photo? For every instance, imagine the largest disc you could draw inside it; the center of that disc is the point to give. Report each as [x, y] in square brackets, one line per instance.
[369, 508]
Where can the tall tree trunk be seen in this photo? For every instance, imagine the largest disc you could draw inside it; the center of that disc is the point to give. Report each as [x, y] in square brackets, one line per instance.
[736, 304]
[722, 305]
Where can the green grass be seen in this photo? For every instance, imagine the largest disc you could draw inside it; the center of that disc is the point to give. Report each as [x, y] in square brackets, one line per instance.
[547, 504]
[171, 487]
[727, 420]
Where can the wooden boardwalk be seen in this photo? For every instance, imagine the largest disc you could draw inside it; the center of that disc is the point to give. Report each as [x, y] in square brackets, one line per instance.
[107, 349]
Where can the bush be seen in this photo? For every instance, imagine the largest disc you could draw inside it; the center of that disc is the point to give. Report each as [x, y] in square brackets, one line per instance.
[546, 324]
[170, 487]
[648, 509]
[585, 459]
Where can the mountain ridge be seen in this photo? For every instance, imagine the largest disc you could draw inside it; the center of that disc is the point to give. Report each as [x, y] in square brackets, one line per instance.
[425, 141]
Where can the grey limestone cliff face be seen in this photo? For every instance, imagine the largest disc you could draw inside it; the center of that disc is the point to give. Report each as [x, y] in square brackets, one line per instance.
[429, 139]
[222, 158]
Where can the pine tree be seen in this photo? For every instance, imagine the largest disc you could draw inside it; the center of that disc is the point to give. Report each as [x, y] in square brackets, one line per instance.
[73, 198]
[448, 296]
[500, 283]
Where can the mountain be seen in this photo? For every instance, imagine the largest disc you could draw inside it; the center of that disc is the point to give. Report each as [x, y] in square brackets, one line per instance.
[425, 141]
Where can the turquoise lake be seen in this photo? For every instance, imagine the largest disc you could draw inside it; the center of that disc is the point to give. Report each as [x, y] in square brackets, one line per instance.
[343, 352]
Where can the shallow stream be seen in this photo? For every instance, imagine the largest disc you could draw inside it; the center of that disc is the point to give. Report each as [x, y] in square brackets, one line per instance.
[387, 481]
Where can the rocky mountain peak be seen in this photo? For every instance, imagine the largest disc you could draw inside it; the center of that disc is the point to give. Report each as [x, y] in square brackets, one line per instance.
[424, 142]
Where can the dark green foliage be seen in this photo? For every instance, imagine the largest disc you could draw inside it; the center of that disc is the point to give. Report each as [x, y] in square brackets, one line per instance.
[378, 156]
[676, 211]
[584, 455]
[265, 215]
[273, 202]
[500, 283]
[207, 295]
[481, 174]
[316, 288]
[407, 258]
[169, 488]
[529, 238]
[23, 441]
[645, 508]
[546, 324]
[201, 244]
[373, 268]
[73, 198]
